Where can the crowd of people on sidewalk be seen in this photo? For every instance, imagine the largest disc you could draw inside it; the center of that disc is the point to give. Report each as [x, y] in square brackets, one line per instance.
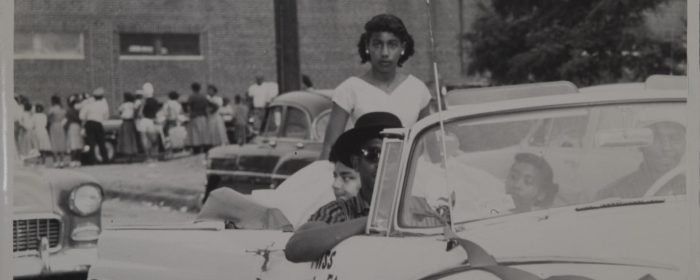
[71, 132]
[58, 131]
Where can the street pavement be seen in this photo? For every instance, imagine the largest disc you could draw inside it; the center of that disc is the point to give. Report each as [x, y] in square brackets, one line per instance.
[177, 183]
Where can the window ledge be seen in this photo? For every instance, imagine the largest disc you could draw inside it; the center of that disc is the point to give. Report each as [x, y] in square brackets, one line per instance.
[161, 57]
[49, 56]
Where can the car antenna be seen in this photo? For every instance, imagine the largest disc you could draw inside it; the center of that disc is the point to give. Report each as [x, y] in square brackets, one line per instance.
[438, 93]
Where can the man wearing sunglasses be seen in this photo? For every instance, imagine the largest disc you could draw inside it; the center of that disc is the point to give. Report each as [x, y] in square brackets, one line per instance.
[342, 219]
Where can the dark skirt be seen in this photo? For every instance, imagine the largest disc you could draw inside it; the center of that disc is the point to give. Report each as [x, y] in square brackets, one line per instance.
[198, 132]
[128, 138]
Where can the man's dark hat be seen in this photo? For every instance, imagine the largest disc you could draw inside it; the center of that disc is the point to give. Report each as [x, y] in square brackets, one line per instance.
[367, 127]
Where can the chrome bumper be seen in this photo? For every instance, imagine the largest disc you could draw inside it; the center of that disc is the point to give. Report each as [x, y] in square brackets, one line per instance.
[74, 260]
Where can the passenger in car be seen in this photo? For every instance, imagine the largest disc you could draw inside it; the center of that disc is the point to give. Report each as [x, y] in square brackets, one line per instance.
[346, 181]
[342, 219]
[530, 183]
[664, 154]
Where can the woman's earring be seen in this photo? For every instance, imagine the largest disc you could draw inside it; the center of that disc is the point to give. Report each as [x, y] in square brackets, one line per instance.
[366, 51]
[402, 52]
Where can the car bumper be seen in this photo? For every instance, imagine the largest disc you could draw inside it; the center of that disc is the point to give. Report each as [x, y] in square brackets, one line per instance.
[64, 262]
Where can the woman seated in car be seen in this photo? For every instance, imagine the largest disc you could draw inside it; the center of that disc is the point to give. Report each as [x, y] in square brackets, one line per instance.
[530, 183]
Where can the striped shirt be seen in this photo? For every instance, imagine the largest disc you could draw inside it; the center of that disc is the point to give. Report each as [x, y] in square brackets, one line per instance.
[339, 211]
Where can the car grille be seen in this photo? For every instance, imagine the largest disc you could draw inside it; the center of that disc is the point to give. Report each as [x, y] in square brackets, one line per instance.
[27, 233]
[229, 164]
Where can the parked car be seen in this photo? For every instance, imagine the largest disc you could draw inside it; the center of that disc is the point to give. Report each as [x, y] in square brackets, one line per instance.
[291, 137]
[56, 222]
[471, 222]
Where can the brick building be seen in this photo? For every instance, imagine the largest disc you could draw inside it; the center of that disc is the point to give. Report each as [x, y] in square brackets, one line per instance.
[68, 46]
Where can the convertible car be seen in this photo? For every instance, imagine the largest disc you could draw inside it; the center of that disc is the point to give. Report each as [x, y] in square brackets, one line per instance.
[291, 138]
[543, 201]
[56, 223]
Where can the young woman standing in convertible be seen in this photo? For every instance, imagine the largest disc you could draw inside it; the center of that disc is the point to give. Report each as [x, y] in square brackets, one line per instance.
[386, 44]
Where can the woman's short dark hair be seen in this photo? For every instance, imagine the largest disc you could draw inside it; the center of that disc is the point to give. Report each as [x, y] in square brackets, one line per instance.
[546, 174]
[128, 97]
[213, 87]
[195, 87]
[39, 108]
[173, 95]
[386, 23]
[55, 100]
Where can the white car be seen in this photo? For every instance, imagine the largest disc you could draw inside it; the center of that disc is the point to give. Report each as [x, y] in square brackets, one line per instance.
[470, 212]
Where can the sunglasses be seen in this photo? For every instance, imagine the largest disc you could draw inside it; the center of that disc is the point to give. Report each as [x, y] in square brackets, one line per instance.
[371, 154]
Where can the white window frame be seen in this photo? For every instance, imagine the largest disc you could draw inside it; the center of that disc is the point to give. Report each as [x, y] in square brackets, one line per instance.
[55, 56]
[136, 57]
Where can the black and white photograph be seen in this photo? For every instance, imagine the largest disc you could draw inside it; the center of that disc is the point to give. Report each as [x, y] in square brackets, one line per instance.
[335, 140]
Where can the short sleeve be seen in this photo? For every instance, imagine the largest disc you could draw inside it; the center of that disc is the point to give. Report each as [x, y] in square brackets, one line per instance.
[344, 96]
[330, 213]
[425, 95]
[250, 91]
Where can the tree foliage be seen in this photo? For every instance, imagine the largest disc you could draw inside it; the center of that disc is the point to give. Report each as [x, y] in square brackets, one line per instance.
[586, 42]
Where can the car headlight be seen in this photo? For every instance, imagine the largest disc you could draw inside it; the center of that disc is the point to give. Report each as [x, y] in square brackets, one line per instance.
[85, 200]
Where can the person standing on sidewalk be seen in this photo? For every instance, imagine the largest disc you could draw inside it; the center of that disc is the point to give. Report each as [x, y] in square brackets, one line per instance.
[74, 139]
[198, 131]
[93, 114]
[217, 129]
[57, 133]
[261, 93]
[128, 136]
[41, 134]
[240, 120]
[150, 131]
[172, 110]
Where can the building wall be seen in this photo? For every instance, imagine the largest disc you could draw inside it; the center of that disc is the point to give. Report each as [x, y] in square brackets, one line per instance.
[237, 40]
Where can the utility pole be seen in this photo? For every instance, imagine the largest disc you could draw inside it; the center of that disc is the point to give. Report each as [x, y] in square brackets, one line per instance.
[287, 45]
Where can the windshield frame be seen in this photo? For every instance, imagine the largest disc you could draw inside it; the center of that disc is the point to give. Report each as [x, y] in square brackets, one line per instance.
[468, 114]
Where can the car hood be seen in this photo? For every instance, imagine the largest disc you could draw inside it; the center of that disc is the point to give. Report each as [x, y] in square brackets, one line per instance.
[31, 193]
[34, 193]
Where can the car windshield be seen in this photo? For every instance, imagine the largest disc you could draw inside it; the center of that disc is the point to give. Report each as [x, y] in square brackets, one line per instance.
[545, 159]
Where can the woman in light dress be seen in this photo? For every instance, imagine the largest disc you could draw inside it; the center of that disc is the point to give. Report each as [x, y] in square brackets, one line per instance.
[74, 138]
[25, 141]
[217, 129]
[386, 44]
[40, 133]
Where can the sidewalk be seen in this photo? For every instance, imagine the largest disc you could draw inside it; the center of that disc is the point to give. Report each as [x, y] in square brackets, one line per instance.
[176, 183]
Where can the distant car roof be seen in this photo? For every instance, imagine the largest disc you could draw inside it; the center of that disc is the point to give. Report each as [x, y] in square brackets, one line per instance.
[315, 101]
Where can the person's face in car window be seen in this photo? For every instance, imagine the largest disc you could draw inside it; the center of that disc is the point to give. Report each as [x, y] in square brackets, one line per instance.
[366, 164]
[346, 183]
[668, 146]
[524, 183]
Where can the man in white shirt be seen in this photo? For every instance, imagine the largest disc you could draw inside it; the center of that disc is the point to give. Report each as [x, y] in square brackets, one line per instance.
[261, 93]
[93, 114]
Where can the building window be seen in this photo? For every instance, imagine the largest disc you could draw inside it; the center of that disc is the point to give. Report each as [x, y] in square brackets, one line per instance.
[159, 46]
[54, 45]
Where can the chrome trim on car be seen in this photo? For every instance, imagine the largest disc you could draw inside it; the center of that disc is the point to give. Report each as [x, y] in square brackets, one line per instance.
[237, 173]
